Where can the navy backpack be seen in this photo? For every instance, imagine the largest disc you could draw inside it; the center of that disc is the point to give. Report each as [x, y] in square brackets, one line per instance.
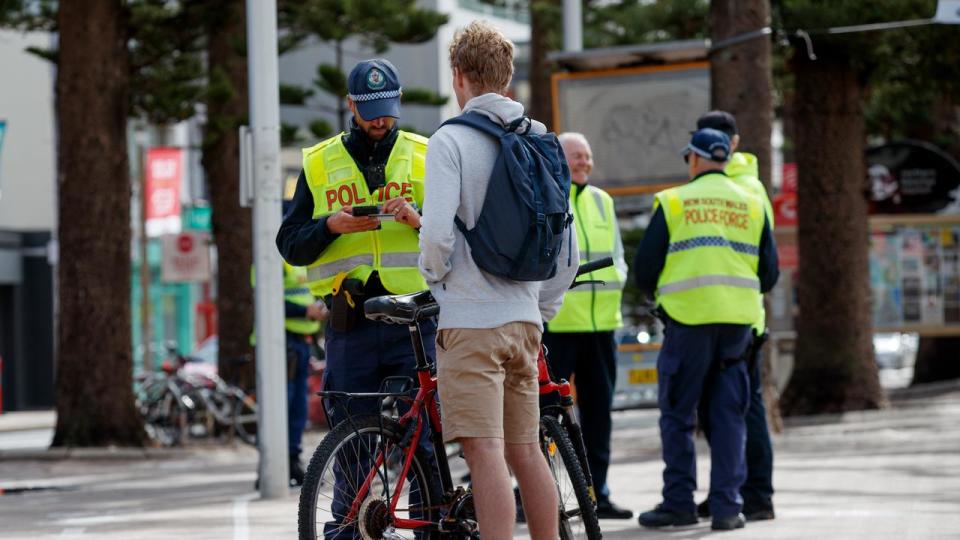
[526, 210]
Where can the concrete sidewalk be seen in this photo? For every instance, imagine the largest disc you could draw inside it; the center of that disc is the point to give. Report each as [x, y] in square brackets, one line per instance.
[892, 474]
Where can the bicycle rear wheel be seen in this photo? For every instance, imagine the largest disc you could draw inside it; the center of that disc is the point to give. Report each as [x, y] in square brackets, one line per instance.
[338, 469]
[578, 513]
[245, 417]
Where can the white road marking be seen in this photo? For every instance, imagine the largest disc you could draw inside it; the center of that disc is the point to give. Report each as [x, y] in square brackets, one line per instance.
[241, 525]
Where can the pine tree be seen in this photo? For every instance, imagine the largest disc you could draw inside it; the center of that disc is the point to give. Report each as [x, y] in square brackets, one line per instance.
[376, 24]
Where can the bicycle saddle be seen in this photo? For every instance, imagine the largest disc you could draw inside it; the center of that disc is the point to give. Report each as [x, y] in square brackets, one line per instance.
[401, 308]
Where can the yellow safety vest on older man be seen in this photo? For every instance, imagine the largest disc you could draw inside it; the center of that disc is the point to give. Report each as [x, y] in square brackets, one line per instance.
[594, 307]
[335, 181]
[710, 273]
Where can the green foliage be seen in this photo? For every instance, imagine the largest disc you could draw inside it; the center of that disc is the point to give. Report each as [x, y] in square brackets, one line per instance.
[642, 21]
[423, 96]
[331, 79]
[289, 135]
[294, 95]
[321, 129]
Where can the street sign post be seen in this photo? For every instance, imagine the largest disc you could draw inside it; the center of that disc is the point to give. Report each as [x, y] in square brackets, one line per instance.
[263, 72]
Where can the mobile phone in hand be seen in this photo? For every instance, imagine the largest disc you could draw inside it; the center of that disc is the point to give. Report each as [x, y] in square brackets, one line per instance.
[367, 210]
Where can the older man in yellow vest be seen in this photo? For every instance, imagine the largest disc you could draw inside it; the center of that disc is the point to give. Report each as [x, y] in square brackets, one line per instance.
[580, 338]
[707, 253]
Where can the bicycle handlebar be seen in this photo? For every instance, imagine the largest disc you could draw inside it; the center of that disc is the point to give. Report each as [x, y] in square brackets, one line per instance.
[593, 266]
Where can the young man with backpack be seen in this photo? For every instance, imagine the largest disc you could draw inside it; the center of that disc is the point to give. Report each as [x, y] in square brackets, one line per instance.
[495, 294]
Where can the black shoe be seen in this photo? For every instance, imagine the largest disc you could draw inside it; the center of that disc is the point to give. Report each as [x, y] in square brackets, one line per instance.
[703, 509]
[661, 517]
[296, 472]
[728, 523]
[608, 510]
[521, 517]
[758, 514]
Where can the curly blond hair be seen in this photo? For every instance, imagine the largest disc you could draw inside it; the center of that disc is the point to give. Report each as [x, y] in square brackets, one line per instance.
[484, 55]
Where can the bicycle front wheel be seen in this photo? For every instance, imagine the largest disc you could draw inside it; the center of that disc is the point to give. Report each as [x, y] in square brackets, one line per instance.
[338, 470]
[245, 418]
[578, 514]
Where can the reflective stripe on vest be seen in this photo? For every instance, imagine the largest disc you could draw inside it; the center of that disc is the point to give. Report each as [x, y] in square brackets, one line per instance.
[710, 272]
[296, 292]
[393, 251]
[594, 307]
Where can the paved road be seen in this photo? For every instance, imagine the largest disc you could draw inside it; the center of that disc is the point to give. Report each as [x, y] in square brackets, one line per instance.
[893, 474]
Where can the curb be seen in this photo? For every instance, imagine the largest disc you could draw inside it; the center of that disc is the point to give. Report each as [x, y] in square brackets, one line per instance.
[106, 453]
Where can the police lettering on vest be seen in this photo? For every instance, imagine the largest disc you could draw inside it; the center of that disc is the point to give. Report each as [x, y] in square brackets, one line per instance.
[335, 181]
[710, 272]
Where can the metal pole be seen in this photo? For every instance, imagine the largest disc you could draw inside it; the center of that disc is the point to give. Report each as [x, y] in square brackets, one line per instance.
[268, 296]
[572, 25]
[145, 337]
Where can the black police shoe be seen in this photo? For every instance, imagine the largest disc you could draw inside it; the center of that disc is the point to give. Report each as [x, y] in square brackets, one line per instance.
[759, 513]
[296, 471]
[703, 509]
[607, 510]
[661, 517]
[728, 523]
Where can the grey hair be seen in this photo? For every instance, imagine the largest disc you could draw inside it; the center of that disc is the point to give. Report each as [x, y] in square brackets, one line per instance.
[573, 136]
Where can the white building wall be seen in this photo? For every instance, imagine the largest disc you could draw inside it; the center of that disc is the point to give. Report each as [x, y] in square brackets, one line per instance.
[28, 154]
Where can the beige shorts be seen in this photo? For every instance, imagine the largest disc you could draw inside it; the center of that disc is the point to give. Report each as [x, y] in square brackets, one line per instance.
[488, 382]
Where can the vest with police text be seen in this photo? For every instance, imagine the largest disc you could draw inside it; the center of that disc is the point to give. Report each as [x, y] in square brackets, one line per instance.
[594, 307]
[710, 272]
[335, 181]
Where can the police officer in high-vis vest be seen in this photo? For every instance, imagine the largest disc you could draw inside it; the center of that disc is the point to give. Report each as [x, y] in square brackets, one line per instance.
[580, 338]
[757, 490]
[352, 257]
[706, 254]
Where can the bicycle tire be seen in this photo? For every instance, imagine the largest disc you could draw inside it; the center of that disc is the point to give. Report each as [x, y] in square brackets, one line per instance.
[576, 439]
[245, 418]
[320, 472]
[555, 443]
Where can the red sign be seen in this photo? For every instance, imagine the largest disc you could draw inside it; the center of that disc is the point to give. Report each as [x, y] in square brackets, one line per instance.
[164, 173]
[789, 184]
[785, 209]
[186, 257]
[185, 243]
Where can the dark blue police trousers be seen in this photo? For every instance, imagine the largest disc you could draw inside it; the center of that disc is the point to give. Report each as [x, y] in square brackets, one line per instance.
[298, 359]
[689, 365]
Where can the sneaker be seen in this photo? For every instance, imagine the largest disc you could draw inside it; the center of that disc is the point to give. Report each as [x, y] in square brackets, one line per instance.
[728, 523]
[608, 510]
[661, 517]
[703, 509]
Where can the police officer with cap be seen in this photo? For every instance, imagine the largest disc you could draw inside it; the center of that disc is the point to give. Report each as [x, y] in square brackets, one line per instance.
[707, 252]
[757, 490]
[354, 224]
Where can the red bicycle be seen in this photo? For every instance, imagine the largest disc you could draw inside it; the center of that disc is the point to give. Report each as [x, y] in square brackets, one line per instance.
[372, 476]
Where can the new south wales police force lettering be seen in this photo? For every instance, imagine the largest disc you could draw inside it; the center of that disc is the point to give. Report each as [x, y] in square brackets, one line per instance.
[347, 195]
[719, 211]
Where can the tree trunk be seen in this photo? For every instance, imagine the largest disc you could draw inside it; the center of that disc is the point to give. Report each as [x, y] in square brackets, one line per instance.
[541, 28]
[232, 225]
[937, 360]
[741, 82]
[834, 368]
[94, 383]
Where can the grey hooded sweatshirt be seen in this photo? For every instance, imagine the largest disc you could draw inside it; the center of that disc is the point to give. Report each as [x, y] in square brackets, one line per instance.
[460, 160]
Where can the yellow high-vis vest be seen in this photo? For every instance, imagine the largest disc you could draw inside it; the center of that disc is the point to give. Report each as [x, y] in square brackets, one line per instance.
[296, 292]
[594, 307]
[393, 251]
[710, 273]
[743, 169]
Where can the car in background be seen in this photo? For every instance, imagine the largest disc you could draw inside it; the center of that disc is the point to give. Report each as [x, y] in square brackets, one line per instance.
[895, 350]
[636, 384]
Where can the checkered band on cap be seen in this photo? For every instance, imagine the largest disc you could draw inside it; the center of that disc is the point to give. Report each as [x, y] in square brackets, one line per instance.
[373, 96]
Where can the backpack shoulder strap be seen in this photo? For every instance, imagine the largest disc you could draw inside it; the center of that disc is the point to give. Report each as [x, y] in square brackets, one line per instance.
[479, 122]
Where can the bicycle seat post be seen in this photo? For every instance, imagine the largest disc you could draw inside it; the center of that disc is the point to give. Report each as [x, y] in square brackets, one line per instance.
[418, 349]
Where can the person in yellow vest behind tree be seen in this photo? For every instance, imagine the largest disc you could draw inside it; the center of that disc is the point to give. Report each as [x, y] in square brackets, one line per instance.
[580, 339]
[303, 314]
[354, 223]
[706, 254]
